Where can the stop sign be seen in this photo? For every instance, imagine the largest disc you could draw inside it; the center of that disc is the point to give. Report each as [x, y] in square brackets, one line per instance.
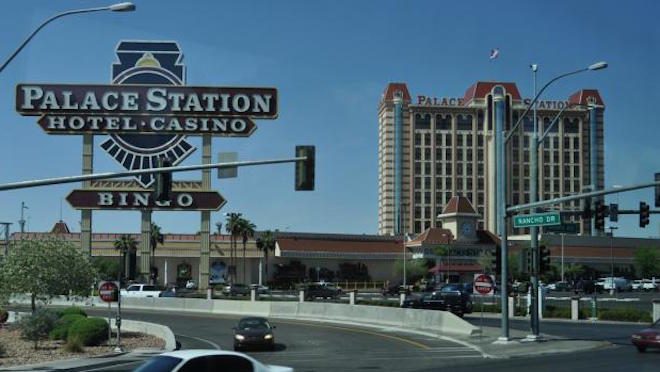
[108, 291]
[484, 284]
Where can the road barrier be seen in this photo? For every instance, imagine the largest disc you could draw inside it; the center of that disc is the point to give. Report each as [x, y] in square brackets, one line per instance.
[415, 319]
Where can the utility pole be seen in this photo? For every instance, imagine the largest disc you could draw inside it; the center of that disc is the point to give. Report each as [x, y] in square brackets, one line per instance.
[22, 220]
[534, 231]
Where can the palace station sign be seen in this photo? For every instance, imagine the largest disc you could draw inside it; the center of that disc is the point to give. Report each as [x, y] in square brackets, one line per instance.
[145, 114]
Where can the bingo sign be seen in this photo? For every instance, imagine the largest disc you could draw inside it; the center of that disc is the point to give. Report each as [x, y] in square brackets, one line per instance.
[484, 285]
[109, 291]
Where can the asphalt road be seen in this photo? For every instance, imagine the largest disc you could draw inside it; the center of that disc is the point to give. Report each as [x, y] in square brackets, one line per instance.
[309, 346]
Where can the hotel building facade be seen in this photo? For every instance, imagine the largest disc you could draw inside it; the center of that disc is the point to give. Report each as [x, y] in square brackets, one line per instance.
[430, 149]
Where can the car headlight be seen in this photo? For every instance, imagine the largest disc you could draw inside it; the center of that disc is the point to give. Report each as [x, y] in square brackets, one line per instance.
[268, 337]
[239, 337]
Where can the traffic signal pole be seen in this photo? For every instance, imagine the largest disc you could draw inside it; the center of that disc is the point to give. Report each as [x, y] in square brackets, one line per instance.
[500, 146]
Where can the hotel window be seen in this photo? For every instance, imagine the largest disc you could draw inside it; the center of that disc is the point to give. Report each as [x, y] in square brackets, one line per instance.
[468, 140]
[438, 182]
[422, 121]
[480, 141]
[459, 154]
[480, 120]
[448, 169]
[459, 140]
[459, 169]
[516, 141]
[516, 185]
[448, 183]
[427, 197]
[418, 139]
[470, 197]
[427, 139]
[576, 156]
[418, 167]
[464, 122]
[438, 139]
[418, 153]
[448, 140]
[528, 124]
[427, 182]
[480, 183]
[555, 142]
[555, 185]
[576, 171]
[427, 168]
[443, 122]
[468, 183]
[459, 183]
[480, 168]
[526, 141]
[555, 156]
[526, 171]
[468, 169]
[567, 157]
[427, 212]
[480, 155]
[567, 186]
[427, 154]
[516, 199]
[555, 169]
[418, 182]
[526, 184]
[418, 197]
[447, 154]
[571, 126]
[567, 142]
[418, 227]
[480, 199]
[576, 143]
[468, 154]
[438, 168]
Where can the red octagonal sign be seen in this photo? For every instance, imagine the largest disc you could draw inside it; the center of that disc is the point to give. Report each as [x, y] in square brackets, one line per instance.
[484, 285]
[108, 291]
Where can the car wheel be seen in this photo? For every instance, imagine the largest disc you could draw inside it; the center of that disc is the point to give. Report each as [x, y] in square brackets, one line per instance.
[641, 349]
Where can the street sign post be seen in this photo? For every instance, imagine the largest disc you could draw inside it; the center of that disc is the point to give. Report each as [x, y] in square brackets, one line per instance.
[484, 285]
[541, 219]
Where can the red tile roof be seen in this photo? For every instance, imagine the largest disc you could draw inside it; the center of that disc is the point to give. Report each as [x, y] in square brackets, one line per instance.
[433, 235]
[582, 97]
[60, 227]
[459, 204]
[396, 87]
[340, 245]
[481, 89]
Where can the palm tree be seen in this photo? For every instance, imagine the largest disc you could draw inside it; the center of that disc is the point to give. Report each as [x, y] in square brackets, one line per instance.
[125, 244]
[266, 243]
[232, 227]
[246, 229]
[155, 237]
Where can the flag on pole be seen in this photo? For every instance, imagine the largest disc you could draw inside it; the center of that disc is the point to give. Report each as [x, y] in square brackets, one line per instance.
[494, 53]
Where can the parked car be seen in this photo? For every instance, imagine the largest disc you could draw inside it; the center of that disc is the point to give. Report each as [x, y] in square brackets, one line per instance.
[236, 289]
[414, 301]
[261, 289]
[254, 332]
[322, 290]
[457, 298]
[648, 337]
[171, 292]
[644, 285]
[141, 290]
[559, 287]
[394, 290]
[207, 360]
[617, 284]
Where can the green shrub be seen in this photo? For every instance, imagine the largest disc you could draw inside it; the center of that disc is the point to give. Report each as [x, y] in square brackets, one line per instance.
[72, 310]
[74, 345]
[90, 331]
[62, 325]
[37, 326]
[627, 315]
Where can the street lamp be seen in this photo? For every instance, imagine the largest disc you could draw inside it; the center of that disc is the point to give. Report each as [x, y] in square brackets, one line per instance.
[534, 179]
[119, 7]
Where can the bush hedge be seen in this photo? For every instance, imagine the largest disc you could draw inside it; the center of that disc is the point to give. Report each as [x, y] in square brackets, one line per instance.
[62, 326]
[626, 315]
[38, 325]
[72, 310]
[89, 331]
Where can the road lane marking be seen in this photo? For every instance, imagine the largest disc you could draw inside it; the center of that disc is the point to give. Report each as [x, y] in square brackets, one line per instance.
[215, 346]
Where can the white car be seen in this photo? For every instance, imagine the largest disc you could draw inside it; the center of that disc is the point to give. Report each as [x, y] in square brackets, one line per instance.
[207, 361]
[141, 290]
[648, 285]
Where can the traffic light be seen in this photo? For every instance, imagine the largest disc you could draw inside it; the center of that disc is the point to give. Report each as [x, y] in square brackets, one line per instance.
[530, 261]
[600, 210]
[544, 262]
[497, 260]
[163, 185]
[305, 168]
[644, 214]
[614, 212]
[586, 210]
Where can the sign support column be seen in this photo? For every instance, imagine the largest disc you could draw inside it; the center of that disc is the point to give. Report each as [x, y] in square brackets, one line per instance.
[205, 228]
[498, 98]
[86, 215]
[145, 245]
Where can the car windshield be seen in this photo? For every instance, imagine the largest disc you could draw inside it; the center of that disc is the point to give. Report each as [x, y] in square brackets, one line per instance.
[253, 323]
[159, 364]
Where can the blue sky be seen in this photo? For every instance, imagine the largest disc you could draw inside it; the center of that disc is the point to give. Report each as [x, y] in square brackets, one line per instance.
[330, 61]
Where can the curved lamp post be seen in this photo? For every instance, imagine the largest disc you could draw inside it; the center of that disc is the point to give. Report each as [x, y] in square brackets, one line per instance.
[534, 181]
[119, 7]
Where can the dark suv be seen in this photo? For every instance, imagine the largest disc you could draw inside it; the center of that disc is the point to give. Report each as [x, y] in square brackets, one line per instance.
[236, 289]
[313, 291]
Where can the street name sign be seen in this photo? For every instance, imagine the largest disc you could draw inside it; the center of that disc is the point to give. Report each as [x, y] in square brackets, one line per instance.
[541, 219]
[564, 228]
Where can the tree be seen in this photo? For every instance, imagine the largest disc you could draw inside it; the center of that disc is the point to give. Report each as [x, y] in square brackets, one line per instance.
[106, 267]
[232, 227]
[45, 268]
[155, 237]
[415, 269]
[647, 262]
[485, 260]
[246, 229]
[125, 245]
[268, 240]
[573, 271]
